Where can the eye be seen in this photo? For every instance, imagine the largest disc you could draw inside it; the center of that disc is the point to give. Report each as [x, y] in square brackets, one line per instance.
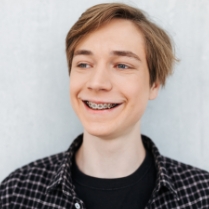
[122, 66]
[83, 65]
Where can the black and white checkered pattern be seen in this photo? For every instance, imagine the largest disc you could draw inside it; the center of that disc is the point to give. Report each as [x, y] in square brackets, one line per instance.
[47, 183]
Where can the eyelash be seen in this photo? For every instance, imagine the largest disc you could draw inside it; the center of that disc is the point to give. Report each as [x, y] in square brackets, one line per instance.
[81, 65]
[126, 66]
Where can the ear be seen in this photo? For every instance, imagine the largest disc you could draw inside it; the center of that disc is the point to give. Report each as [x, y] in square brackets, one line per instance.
[154, 90]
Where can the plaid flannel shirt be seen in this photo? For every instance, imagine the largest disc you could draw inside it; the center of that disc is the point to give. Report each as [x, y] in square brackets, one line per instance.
[47, 183]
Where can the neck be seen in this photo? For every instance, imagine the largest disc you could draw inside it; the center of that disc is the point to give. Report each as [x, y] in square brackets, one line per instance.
[110, 158]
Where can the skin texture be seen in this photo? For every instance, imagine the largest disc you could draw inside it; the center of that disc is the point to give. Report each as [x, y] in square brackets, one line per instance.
[109, 66]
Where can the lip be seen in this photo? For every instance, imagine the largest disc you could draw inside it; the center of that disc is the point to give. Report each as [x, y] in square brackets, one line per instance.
[101, 102]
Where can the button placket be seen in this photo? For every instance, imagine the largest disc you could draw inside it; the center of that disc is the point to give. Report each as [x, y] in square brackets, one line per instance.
[77, 205]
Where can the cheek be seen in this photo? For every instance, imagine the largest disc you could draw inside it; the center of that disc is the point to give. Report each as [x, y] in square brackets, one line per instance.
[74, 88]
[138, 94]
[137, 84]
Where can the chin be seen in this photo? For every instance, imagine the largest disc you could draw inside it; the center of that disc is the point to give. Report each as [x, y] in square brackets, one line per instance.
[101, 132]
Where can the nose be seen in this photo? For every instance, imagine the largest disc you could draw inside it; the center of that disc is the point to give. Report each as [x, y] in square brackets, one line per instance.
[100, 79]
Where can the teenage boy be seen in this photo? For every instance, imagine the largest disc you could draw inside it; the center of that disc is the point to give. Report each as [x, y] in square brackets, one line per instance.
[118, 59]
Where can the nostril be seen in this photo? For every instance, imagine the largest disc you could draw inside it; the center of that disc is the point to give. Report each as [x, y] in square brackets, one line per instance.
[99, 83]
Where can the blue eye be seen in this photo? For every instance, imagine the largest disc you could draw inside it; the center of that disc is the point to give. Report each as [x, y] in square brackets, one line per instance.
[122, 66]
[83, 65]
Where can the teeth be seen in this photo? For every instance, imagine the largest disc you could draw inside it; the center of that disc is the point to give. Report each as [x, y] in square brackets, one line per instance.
[100, 106]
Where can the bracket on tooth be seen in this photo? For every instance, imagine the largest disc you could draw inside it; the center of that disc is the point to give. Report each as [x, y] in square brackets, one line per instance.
[100, 106]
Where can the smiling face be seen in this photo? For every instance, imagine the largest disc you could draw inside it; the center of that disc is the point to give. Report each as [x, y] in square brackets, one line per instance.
[109, 80]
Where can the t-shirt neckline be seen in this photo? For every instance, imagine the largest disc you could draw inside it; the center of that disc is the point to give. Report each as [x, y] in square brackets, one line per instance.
[115, 183]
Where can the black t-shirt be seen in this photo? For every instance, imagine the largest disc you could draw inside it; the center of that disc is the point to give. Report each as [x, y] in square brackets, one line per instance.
[133, 191]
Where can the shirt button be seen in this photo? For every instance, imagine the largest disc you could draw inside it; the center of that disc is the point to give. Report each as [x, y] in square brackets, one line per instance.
[77, 206]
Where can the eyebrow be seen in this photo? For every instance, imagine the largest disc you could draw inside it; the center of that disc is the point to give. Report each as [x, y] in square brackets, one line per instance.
[115, 52]
[125, 54]
[82, 52]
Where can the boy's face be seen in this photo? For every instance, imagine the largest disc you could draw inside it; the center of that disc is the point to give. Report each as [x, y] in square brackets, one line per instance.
[109, 68]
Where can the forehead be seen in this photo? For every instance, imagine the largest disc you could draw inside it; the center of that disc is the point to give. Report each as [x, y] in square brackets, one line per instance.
[118, 34]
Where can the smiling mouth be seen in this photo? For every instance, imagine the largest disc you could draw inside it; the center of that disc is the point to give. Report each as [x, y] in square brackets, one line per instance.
[100, 106]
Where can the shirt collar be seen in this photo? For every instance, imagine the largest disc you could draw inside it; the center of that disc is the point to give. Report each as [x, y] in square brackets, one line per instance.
[163, 175]
[62, 178]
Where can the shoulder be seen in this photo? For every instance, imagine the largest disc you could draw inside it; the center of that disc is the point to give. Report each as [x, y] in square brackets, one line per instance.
[47, 165]
[182, 176]
[177, 168]
[40, 168]
[35, 174]
[186, 178]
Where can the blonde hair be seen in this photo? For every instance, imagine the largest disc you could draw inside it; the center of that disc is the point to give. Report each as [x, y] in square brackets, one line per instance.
[158, 45]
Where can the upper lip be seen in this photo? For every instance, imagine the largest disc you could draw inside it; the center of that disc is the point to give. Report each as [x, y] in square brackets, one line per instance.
[100, 102]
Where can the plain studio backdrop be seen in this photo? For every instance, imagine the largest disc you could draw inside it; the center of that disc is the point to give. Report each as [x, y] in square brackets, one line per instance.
[36, 119]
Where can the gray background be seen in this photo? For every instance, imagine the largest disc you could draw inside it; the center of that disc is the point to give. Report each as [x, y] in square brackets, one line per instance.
[36, 119]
